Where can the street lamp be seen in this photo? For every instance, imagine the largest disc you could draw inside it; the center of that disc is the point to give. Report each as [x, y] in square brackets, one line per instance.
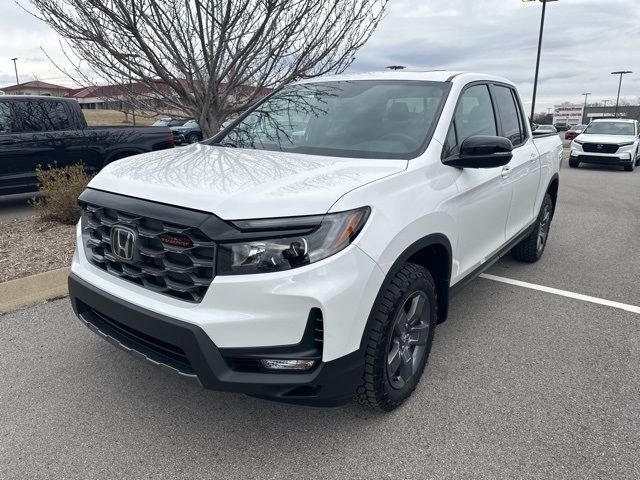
[621, 73]
[584, 110]
[535, 81]
[131, 93]
[15, 66]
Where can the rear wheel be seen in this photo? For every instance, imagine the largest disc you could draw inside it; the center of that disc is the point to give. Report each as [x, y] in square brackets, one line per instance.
[574, 163]
[404, 321]
[193, 138]
[532, 247]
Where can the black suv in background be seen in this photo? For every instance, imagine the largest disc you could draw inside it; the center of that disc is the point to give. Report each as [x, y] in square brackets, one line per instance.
[49, 130]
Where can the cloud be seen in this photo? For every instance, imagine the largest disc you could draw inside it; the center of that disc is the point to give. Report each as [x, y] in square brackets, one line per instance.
[584, 41]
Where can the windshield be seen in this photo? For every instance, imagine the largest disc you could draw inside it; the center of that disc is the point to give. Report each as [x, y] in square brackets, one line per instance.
[579, 127]
[191, 123]
[161, 123]
[610, 128]
[368, 119]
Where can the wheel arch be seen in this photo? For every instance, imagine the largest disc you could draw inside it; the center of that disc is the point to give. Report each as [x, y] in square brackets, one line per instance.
[432, 252]
[552, 190]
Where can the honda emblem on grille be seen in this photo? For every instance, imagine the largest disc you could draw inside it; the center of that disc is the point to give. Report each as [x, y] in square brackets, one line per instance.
[123, 240]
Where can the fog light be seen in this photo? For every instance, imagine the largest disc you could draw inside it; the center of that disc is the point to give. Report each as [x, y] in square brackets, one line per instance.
[574, 153]
[287, 364]
[626, 156]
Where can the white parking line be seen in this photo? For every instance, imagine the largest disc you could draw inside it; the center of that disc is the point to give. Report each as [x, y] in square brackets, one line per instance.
[563, 293]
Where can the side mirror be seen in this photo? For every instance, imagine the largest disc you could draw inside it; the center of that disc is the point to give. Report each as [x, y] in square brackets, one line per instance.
[482, 152]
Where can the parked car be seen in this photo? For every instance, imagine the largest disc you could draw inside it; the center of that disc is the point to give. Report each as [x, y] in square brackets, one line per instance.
[545, 129]
[190, 132]
[607, 142]
[169, 122]
[53, 131]
[312, 268]
[561, 126]
[574, 131]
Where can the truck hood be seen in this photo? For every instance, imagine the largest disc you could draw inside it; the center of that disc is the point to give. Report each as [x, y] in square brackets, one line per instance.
[238, 184]
[597, 138]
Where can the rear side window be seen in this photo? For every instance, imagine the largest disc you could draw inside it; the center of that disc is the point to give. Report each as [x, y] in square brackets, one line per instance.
[40, 116]
[473, 116]
[510, 118]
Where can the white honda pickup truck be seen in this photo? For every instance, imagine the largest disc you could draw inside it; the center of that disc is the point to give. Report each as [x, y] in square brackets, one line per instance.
[306, 253]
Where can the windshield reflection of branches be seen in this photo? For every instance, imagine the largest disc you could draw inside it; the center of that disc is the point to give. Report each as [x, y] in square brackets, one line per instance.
[282, 121]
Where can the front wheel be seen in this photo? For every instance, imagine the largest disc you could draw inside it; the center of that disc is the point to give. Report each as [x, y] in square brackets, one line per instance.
[531, 248]
[630, 167]
[574, 163]
[404, 321]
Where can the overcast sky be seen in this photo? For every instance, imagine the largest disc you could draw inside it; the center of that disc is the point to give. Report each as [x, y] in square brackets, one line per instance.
[584, 41]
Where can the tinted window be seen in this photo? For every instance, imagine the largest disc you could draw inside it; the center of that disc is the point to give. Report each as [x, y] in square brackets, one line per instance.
[510, 118]
[473, 116]
[40, 116]
[5, 118]
[369, 119]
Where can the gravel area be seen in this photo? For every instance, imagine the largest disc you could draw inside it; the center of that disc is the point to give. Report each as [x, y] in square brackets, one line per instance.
[31, 245]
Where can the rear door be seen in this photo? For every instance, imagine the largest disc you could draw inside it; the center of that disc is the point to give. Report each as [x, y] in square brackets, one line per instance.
[482, 205]
[522, 173]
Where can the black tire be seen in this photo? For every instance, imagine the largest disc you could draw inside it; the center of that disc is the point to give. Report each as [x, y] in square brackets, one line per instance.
[193, 138]
[397, 335]
[532, 247]
[574, 163]
[630, 168]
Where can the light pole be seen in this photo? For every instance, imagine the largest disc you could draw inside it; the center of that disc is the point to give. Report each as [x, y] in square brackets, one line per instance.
[535, 81]
[621, 73]
[604, 111]
[15, 67]
[584, 109]
[131, 56]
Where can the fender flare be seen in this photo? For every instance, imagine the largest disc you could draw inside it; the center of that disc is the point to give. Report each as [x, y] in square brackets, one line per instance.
[442, 284]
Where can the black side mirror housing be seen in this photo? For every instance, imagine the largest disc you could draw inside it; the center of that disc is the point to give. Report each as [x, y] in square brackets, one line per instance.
[482, 151]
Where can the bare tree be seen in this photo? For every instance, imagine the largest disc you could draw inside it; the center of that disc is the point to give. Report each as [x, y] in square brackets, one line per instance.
[209, 58]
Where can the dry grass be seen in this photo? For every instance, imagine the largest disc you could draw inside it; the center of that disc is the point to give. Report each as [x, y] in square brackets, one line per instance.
[112, 117]
[30, 245]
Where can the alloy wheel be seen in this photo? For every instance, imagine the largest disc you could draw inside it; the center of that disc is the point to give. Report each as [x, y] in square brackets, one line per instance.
[407, 345]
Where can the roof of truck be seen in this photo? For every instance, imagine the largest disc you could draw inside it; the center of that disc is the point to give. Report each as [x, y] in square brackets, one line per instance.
[411, 74]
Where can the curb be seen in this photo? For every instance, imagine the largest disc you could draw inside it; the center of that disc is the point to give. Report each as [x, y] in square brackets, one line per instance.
[23, 292]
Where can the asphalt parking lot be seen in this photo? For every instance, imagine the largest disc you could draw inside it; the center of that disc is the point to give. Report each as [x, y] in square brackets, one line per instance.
[520, 383]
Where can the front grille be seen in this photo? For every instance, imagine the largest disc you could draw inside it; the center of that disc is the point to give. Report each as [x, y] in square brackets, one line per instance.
[598, 159]
[183, 268]
[154, 348]
[600, 148]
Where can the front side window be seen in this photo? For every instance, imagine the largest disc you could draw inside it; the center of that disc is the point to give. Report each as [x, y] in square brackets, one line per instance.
[365, 118]
[610, 128]
[473, 116]
[510, 118]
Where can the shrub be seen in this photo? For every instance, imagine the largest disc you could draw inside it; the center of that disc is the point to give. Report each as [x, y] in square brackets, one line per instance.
[60, 189]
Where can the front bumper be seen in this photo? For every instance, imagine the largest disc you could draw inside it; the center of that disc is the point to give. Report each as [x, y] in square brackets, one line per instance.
[185, 348]
[619, 158]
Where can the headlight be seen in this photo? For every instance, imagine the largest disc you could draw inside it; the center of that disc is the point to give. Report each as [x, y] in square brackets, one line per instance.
[579, 142]
[324, 236]
[625, 144]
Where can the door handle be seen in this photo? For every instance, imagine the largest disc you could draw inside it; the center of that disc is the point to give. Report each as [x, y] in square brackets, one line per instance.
[506, 170]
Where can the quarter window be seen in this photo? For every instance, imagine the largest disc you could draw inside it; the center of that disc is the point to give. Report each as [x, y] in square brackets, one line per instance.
[510, 118]
[5, 118]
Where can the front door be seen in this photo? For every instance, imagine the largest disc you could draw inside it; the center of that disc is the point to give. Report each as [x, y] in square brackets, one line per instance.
[482, 205]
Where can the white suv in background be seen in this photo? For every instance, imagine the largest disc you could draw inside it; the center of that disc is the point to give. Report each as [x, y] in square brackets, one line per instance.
[608, 142]
[306, 253]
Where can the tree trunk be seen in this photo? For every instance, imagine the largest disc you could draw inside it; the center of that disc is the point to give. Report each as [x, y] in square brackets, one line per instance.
[210, 123]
